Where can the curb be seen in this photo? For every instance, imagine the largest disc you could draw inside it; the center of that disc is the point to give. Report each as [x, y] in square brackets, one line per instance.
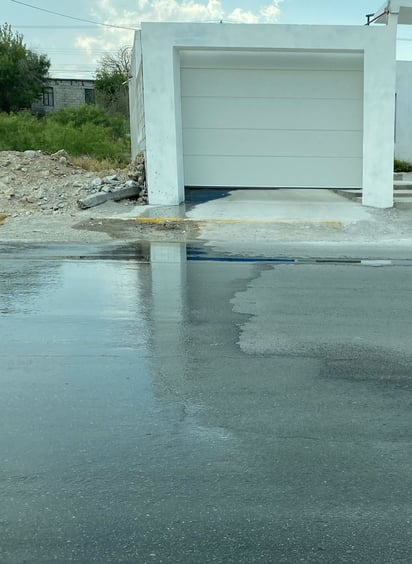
[159, 220]
[399, 195]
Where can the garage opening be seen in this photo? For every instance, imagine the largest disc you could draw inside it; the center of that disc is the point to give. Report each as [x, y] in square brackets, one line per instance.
[272, 119]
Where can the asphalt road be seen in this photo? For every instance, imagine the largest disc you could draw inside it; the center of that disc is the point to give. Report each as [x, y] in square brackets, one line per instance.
[173, 411]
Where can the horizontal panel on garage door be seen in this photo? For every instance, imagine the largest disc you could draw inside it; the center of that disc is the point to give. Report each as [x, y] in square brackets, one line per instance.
[260, 172]
[272, 119]
[288, 83]
[263, 142]
[268, 113]
[272, 60]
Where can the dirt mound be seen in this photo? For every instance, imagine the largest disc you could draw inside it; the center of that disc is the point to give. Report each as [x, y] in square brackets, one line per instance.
[32, 182]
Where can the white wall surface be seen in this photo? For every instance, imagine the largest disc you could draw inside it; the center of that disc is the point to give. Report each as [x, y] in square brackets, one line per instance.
[162, 44]
[403, 123]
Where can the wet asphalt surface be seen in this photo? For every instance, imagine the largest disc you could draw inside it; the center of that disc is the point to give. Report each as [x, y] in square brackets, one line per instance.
[163, 410]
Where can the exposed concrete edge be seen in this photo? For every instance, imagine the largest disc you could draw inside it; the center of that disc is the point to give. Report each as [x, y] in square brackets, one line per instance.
[353, 195]
[402, 185]
[157, 220]
[399, 196]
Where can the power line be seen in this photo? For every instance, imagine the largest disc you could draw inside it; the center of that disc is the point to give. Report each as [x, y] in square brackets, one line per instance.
[71, 66]
[71, 17]
[78, 27]
[79, 51]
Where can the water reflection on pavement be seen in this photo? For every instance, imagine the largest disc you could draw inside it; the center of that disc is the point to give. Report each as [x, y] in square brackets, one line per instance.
[135, 429]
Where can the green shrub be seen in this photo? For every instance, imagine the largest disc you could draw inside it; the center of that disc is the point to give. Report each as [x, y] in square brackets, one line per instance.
[87, 139]
[20, 131]
[401, 166]
[89, 114]
[85, 130]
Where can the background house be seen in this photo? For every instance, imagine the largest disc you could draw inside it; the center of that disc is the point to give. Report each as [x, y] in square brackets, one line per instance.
[65, 93]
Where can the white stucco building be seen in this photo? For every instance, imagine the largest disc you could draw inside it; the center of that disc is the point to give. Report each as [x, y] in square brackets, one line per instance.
[403, 120]
[267, 106]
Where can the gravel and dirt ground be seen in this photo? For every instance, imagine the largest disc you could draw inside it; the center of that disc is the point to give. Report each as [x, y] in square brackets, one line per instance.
[35, 183]
[38, 203]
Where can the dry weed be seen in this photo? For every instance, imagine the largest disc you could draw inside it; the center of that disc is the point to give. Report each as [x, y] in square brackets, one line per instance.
[94, 165]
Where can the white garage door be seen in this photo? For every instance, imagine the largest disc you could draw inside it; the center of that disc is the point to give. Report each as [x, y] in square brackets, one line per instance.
[272, 119]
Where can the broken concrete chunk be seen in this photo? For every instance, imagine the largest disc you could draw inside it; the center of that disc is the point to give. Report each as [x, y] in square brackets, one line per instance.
[96, 182]
[111, 179]
[120, 194]
[92, 201]
[59, 154]
[31, 154]
[125, 192]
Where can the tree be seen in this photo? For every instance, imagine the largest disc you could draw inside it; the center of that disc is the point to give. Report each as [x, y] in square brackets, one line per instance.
[23, 73]
[111, 85]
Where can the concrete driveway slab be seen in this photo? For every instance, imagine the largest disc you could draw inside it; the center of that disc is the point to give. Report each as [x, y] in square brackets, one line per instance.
[283, 204]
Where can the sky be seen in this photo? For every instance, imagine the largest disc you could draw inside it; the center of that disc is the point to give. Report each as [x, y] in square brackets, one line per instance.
[75, 47]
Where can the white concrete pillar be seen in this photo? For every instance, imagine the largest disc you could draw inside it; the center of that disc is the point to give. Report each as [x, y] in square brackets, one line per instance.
[161, 78]
[379, 118]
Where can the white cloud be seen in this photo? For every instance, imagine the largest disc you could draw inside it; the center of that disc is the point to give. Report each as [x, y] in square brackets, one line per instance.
[175, 10]
[270, 13]
[187, 10]
[108, 11]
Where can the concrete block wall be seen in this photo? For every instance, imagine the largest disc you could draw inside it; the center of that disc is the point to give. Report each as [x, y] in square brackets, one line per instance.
[141, 127]
[136, 102]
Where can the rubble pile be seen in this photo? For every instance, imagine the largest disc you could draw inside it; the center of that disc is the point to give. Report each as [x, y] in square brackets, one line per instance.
[137, 173]
[112, 187]
[33, 182]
